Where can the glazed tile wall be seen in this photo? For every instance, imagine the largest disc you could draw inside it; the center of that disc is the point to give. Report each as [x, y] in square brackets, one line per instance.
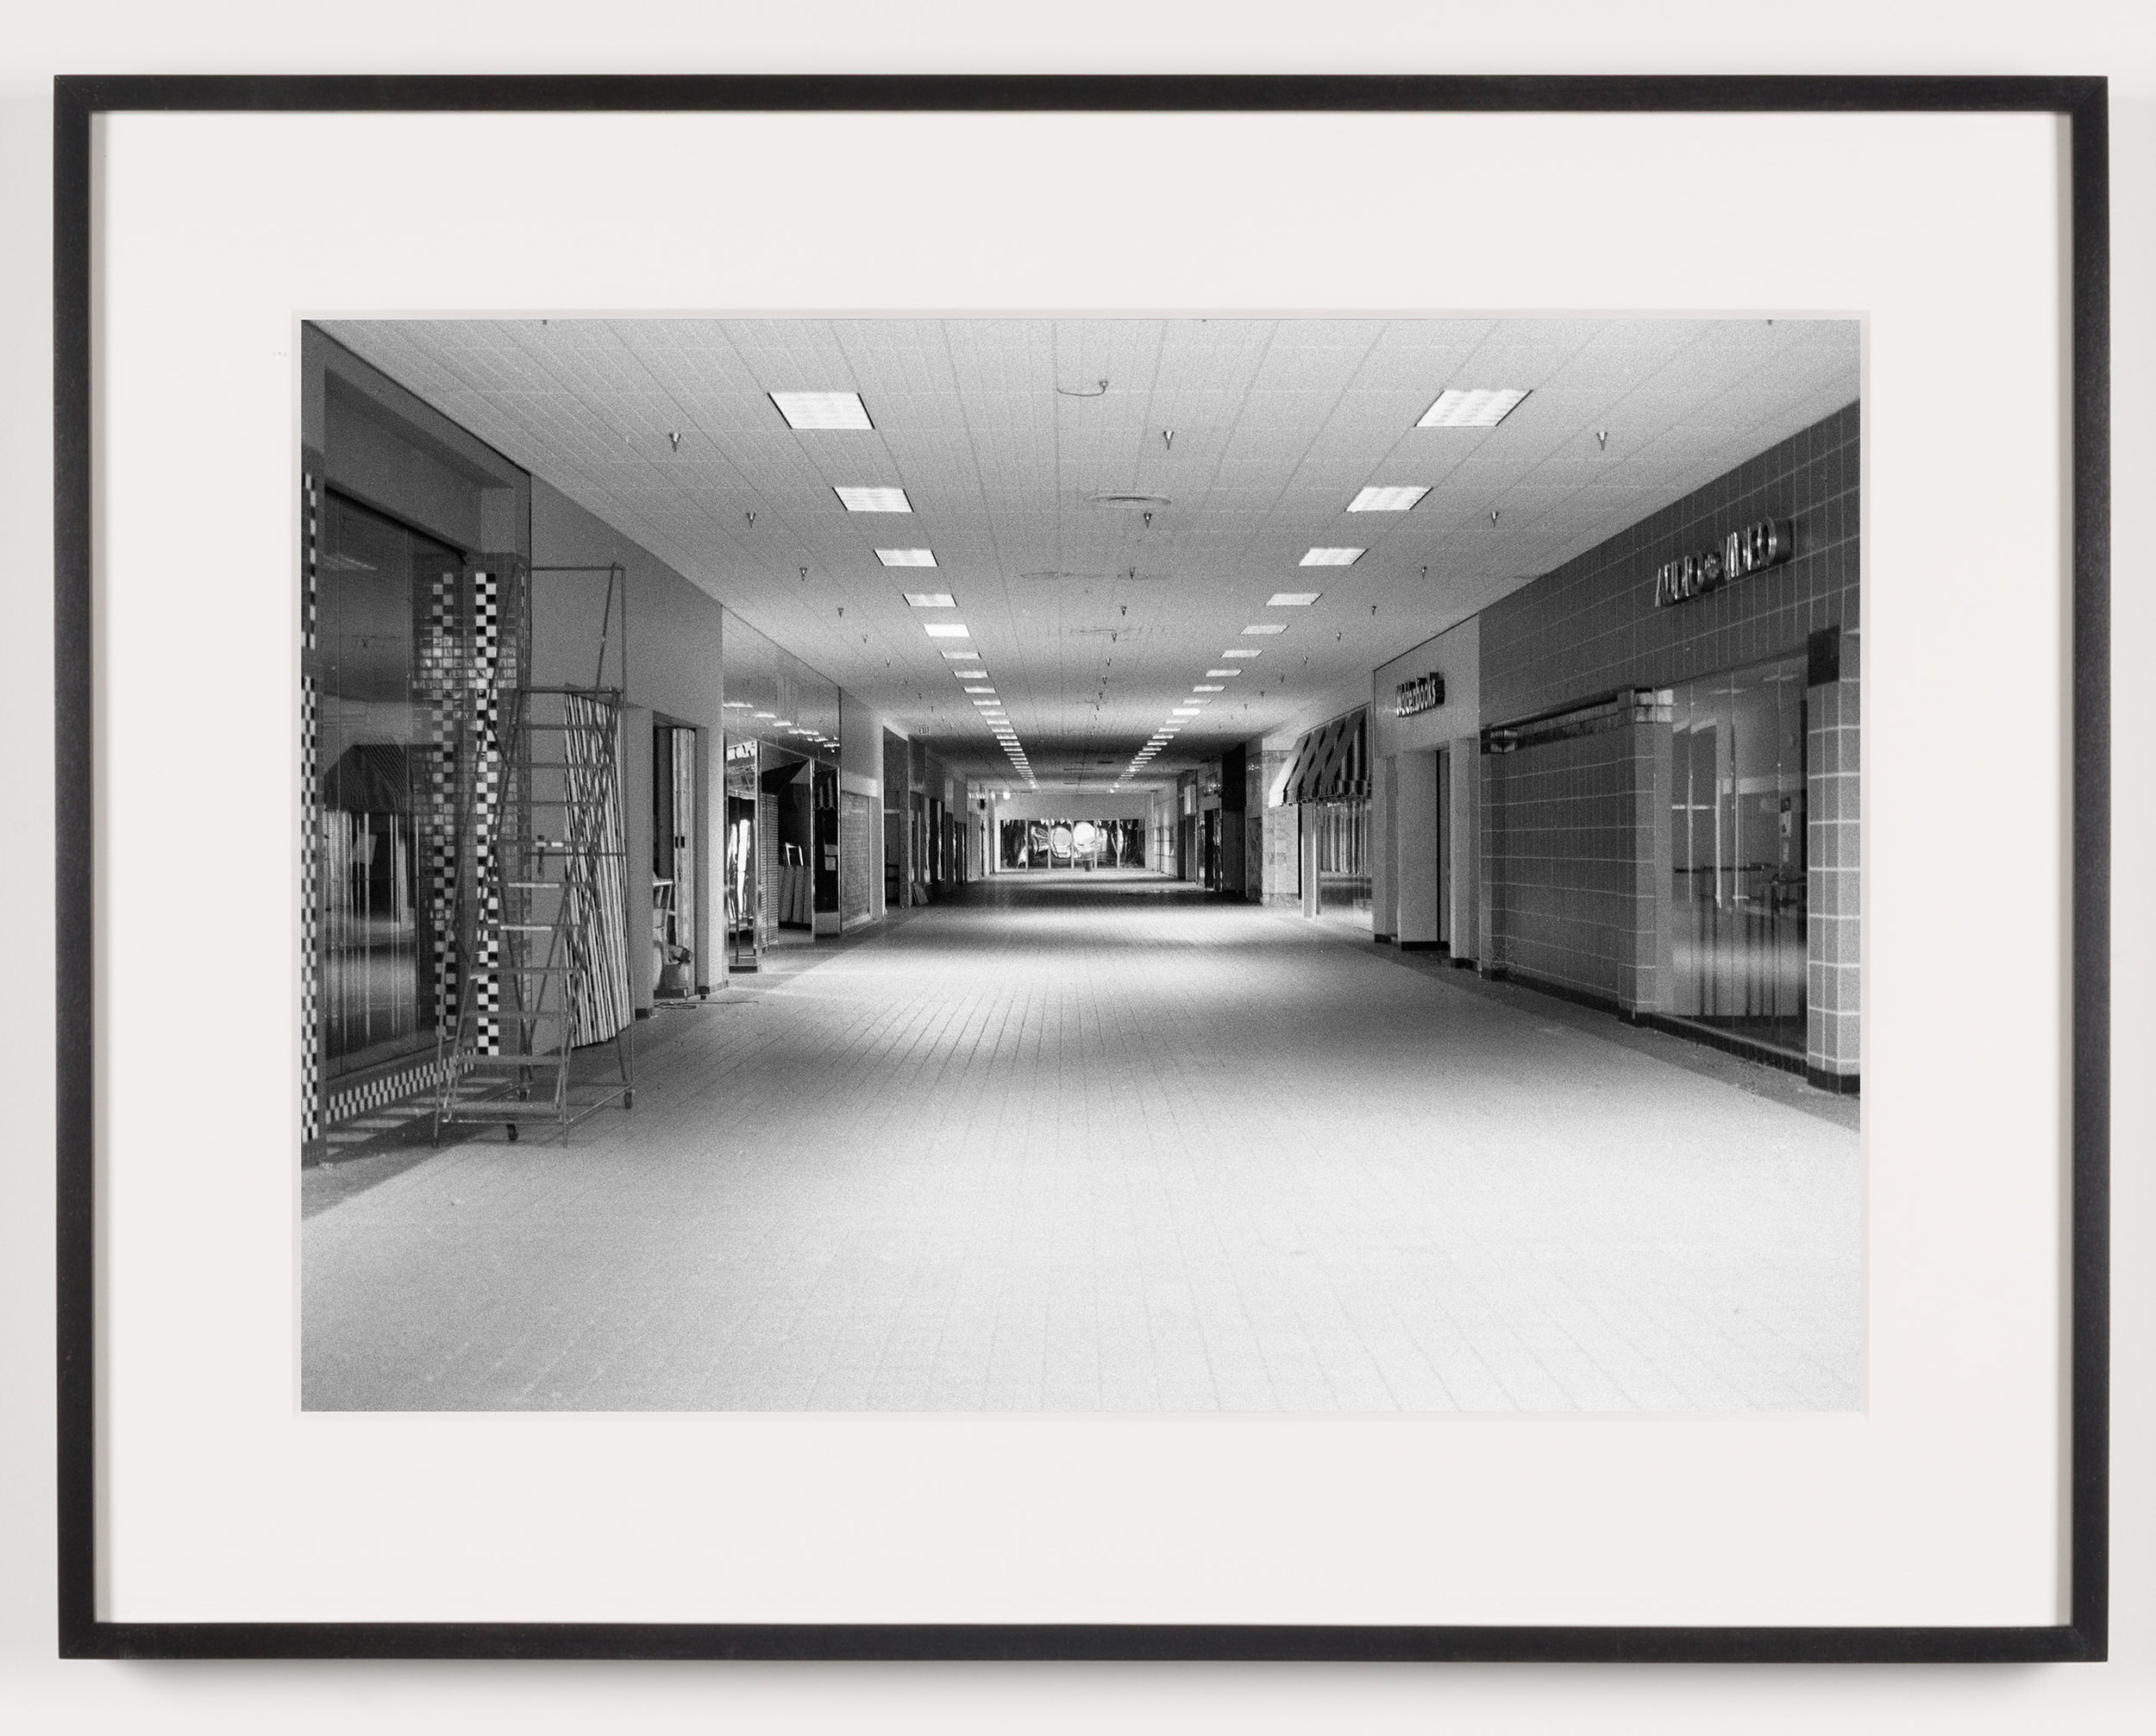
[1568, 899]
[1591, 627]
[1834, 879]
[1571, 850]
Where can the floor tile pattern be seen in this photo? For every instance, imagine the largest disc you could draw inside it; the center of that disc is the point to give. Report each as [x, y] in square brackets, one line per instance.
[1085, 1143]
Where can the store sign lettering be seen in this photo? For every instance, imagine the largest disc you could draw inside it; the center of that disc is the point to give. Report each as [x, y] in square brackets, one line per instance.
[1424, 693]
[1754, 549]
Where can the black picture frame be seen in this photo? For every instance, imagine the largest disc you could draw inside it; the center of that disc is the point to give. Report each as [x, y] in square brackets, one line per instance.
[2080, 102]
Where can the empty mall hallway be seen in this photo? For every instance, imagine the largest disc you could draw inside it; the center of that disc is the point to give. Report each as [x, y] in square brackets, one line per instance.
[1103, 1141]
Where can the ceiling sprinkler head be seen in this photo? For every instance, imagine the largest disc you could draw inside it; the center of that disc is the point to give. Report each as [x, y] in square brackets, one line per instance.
[1601, 439]
[673, 440]
[752, 521]
[1493, 515]
[805, 570]
[1168, 438]
[1149, 525]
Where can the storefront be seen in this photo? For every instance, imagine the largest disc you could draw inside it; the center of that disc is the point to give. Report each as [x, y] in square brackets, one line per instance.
[783, 841]
[1066, 843]
[1326, 780]
[413, 572]
[1669, 802]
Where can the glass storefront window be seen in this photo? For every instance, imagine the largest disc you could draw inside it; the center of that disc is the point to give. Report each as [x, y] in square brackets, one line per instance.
[1344, 875]
[1738, 898]
[377, 977]
[1059, 843]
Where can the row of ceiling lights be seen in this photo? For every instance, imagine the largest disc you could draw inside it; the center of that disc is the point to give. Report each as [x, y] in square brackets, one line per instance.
[844, 409]
[1454, 407]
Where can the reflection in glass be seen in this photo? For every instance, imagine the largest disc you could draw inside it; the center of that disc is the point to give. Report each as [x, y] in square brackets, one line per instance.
[1344, 875]
[377, 979]
[1738, 898]
[1061, 843]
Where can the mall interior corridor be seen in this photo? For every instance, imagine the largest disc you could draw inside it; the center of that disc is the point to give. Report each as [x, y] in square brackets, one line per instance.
[1091, 1142]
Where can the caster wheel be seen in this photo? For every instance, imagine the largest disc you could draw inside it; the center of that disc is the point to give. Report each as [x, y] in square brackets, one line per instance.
[509, 1128]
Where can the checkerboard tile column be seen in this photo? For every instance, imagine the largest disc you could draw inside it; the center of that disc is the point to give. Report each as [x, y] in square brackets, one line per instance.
[310, 931]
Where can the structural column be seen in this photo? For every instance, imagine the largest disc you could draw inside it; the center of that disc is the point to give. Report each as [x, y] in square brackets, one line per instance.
[1834, 883]
[1415, 875]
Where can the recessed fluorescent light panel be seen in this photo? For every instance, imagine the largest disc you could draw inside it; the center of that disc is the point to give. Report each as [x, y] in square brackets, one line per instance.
[1292, 599]
[906, 557]
[889, 500]
[1258, 628]
[822, 409]
[1331, 557]
[1209, 690]
[1215, 674]
[1247, 651]
[931, 599]
[1481, 407]
[947, 629]
[1373, 500]
[980, 690]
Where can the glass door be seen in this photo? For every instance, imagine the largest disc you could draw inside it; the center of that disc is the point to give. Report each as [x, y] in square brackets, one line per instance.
[1737, 901]
[741, 895]
[673, 871]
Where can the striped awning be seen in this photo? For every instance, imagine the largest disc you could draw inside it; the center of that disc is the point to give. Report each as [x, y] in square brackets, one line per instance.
[1332, 763]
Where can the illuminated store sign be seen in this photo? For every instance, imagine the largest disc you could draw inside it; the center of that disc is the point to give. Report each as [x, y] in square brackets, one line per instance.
[1757, 547]
[1424, 693]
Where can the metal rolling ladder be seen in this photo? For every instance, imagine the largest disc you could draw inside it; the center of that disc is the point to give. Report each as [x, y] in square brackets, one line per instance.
[541, 775]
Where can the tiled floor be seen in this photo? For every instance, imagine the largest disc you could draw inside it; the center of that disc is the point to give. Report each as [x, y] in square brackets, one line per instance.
[1095, 1142]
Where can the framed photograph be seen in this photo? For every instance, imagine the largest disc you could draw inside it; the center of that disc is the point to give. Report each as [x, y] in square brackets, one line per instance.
[1083, 867]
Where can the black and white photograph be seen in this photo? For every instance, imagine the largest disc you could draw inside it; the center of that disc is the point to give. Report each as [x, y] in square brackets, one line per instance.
[1000, 867]
[1082, 863]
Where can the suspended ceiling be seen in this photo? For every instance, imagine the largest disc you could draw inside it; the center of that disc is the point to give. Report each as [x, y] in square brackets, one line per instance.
[1093, 623]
